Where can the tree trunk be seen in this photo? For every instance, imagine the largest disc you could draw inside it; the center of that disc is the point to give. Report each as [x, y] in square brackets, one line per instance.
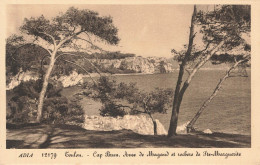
[176, 102]
[44, 87]
[205, 104]
[154, 122]
[155, 127]
[173, 122]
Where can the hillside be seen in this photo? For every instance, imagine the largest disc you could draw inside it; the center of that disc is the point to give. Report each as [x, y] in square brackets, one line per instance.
[138, 64]
[126, 65]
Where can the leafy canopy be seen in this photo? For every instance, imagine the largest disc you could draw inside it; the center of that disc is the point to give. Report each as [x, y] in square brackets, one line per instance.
[72, 23]
[225, 23]
[60, 31]
[119, 99]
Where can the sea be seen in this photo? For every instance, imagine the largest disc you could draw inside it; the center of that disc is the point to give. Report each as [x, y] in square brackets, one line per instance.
[228, 112]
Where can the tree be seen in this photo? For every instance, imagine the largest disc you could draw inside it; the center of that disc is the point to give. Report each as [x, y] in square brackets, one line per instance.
[63, 31]
[156, 101]
[238, 59]
[228, 74]
[221, 29]
[121, 99]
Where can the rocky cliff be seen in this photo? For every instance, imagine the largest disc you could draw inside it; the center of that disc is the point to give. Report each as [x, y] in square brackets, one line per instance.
[148, 65]
[139, 64]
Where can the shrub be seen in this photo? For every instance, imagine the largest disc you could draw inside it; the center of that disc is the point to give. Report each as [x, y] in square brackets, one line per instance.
[113, 94]
[121, 99]
[56, 109]
[109, 108]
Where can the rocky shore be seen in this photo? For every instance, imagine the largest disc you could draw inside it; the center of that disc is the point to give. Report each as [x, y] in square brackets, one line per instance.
[129, 65]
[137, 123]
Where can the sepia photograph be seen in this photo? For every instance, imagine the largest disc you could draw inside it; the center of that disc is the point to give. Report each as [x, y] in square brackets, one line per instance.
[82, 76]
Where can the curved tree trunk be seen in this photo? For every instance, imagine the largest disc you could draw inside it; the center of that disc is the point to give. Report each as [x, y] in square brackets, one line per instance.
[177, 104]
[216, 90]
[44, 87]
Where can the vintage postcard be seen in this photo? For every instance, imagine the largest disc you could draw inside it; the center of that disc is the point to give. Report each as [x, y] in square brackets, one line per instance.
[131, 82]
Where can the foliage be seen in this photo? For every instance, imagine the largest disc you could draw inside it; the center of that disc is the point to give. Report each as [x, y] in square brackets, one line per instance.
[58, 109]
[113, 70]
[110, 108]
[222, 30]
[12, 43]
[59, 32]
[21, 56]
[63, 31]
[66, 24]
[226, 22]
[105, 55]
[120, 98]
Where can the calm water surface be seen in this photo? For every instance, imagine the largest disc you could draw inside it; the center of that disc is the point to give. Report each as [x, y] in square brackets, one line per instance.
[229, 111]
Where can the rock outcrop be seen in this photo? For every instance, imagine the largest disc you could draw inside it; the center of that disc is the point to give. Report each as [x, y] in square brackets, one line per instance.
[148, 65]
[71, 80]
[207, 131]
[137, 123]
[139, 64]
[21, 76]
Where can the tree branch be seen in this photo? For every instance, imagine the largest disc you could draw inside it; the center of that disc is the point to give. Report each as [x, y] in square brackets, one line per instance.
[68, 38]
[139, 111]
[207, 46]
[82, 69]
[52, 38]
[93, 45]
[187, 71]
[195, 69]
[194, 35]
[42, 61]
[36, 45]
[203, 61]
[98, 71]
[206, 102]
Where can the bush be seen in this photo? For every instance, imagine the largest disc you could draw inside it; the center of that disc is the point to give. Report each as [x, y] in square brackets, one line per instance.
[119, 98]
[56, 109]
[111, 109]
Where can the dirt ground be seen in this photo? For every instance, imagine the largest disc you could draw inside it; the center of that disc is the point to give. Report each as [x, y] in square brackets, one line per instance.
[67, 136]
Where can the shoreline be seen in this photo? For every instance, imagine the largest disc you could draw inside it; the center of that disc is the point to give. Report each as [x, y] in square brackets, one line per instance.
[138, 74]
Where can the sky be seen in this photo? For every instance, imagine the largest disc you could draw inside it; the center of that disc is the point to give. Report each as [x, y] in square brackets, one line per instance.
[145, 30]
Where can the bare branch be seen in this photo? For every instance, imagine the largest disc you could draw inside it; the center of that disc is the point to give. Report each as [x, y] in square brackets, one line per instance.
[88, 36]
[93, 45]
[207, 46]
[98, 71]
[238, 76]
[194, 35]
[69, 38]
[52, 38]
[42, 61]
[36, 45]
[82, 69]
[187, 71]
[235, 59]
[198, 66]
[139, 111]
